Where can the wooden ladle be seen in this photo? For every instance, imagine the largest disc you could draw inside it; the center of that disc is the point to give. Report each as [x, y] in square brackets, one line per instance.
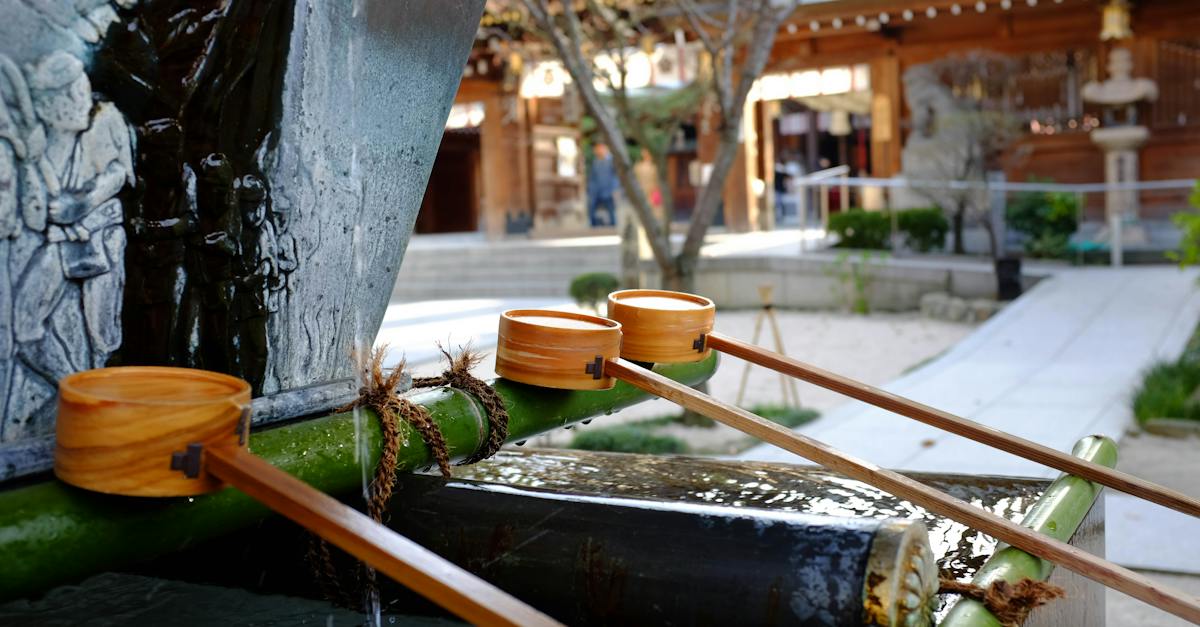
[674, 326]
[150, 431]
[577, 351]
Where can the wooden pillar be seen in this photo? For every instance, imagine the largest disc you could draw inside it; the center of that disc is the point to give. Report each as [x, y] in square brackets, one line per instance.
[741, 203]
[886, 100]
[768, 110]
[498, 169]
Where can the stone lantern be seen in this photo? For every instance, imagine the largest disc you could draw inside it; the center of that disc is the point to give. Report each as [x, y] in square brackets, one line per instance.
[1120, 137]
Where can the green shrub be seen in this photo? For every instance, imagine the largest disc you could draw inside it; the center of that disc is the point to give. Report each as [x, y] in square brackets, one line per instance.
[853, 280]
[924, 229]
[1166, 392]
[1047, 218]
[631, 438]
[1189, 242]
[786, 416]
[591, 289]
[1049, 245]
[857, 228]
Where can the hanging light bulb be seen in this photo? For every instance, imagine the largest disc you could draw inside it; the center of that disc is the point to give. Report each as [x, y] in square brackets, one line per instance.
[1006, 4]
[884, 18]
[791, 29]
[647, 44]
[860, 20]
[814, 26]
[955, 9]
[981, 6]
[1032, 3]
[931, 12]
[837, 22]
[907, 15]
[1115, 21]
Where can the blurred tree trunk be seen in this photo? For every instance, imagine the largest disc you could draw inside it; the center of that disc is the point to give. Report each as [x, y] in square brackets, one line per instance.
[737, 37]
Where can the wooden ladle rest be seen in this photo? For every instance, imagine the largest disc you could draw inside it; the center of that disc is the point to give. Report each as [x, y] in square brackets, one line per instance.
[159, 432]
[577, 351]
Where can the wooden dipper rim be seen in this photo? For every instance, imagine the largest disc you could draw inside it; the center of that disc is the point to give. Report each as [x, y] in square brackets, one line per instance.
[117, 428]
[556, 349]
[661, 326]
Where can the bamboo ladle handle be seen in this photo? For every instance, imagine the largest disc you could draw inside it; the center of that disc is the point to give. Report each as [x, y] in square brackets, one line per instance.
[945, 421]
[1072, 558]
[405, 561]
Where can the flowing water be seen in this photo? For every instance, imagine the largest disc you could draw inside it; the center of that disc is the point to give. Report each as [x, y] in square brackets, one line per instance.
[363, 336]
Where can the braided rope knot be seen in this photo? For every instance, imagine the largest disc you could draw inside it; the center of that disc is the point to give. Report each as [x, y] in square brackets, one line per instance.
[458, 376]
[1010, 603]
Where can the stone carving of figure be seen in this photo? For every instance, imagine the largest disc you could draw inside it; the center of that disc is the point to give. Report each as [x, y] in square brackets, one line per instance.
[64, 254]
[928, 99]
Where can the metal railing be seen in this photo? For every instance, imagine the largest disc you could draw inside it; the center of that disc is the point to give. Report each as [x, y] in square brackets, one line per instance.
[820, 181]
[992, 194]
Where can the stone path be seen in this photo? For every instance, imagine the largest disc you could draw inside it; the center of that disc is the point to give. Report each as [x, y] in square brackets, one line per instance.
[1058, 364]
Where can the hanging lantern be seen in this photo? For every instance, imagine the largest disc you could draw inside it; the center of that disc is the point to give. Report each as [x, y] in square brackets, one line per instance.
[839, 123]
[647, 44]
[1115, 21]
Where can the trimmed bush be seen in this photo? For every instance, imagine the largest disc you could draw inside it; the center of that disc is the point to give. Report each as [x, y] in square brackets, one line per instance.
[924, 229]
[857, 228]
[632, 438]
[1048, 219]
[786, 416]
[1166, 392]
[591, 289]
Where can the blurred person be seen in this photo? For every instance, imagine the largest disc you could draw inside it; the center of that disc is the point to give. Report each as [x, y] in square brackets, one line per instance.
[646, 174]
[601, 187]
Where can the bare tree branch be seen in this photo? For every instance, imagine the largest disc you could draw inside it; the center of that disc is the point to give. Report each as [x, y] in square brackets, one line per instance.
[568, 45]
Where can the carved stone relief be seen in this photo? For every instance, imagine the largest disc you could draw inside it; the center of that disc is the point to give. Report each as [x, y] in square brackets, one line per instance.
[221, 184]
[65, 155]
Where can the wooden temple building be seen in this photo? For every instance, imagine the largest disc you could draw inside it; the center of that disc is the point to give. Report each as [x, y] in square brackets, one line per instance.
[512, 159]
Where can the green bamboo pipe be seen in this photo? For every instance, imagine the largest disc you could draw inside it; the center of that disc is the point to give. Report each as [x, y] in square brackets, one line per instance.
[1058, 514]
[52, 533]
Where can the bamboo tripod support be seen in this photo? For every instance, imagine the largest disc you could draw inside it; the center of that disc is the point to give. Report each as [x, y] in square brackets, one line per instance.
[960, 426]
[1072, 558]
[791, 397]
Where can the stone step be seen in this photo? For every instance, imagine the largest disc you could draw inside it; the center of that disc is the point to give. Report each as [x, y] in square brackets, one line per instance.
[535, 269]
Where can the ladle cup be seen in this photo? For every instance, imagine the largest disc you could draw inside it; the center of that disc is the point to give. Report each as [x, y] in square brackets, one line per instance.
[152, 431]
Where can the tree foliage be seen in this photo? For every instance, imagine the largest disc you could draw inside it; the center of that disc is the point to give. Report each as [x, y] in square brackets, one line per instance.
[736, 36]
